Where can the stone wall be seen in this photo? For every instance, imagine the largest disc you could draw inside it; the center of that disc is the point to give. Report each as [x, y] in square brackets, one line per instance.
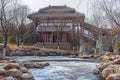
[63, 45]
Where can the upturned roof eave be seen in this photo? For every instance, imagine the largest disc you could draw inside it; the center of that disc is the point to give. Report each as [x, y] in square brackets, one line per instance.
[37, 16]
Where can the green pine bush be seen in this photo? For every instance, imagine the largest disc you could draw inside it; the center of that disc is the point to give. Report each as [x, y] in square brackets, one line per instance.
[11, 39]
[118, 46]
[1, 38]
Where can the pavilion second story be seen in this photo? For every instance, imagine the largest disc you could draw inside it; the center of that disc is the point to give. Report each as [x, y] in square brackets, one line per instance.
[54, 18]
[60, 24]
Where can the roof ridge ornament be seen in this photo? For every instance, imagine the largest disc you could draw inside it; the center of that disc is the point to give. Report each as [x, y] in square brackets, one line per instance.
[65, 5]
[50, 6]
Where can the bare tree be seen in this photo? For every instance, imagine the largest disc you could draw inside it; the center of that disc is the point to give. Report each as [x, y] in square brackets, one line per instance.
[96, 20]
[20, 15]
[4, 21]
[112, 11]
[10, 13]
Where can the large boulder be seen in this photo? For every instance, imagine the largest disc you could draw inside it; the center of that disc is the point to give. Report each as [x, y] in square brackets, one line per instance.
[96, 71]
[29, 64]
[14, 72]
[116, 61]
[115, 67]
[107, 71]
[115, 76]
[11, 65]
[2, 71]
[24, 69]
[52, 54]
[36, 64]
[105, 58]
[10, 78]
[2, 77]
[40, 64]
[27, 76]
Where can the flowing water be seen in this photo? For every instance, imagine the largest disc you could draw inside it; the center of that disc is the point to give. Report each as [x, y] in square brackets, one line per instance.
[62, 68]
[70, 70]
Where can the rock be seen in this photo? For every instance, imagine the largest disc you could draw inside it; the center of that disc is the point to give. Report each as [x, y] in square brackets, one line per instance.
[14, 72]
[116, 61]
[72, 56]
[63, 53]
[102, 67]
[107, 71]
[115, 76]
[42, 54]
[115, 67]
[52, 54]
[2, 77]
[86, 56]
[11, 65]
[104, 63]
[12, 61]
[10, 78]
[45, 63]
[2, 71]
[24, 69]
[108, 53]
[29, 64]
[36, 64]
[96, 71]
[27, 76]
[40, 64]
[106, 59]
[116, 52]
[29, 54]
[12, 54]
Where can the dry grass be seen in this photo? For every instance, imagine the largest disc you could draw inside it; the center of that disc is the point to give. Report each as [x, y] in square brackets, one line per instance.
[15, 47]
[57, 50]
[12, 46]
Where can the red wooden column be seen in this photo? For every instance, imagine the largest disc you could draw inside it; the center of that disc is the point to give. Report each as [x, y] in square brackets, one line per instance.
[40, 37]
[60, 37]
[48, 37]
[66, 37]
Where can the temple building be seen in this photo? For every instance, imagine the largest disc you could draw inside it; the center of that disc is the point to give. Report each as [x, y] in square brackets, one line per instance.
[62, 27]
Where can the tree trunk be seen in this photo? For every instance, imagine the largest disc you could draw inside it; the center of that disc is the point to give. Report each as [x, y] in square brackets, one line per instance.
[5, 41]
[18, 42]
[4, 47]
[95, 47]
[58, 46]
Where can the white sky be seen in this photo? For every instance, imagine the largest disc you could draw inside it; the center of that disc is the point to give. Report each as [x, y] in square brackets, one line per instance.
[35, 5]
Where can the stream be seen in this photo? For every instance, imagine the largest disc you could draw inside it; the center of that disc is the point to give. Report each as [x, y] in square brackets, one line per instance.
[64, 70]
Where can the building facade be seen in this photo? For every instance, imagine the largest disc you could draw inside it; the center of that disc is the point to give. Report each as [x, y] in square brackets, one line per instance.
[62, 25]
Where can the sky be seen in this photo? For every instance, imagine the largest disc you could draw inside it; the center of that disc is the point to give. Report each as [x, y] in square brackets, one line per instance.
[79, 5]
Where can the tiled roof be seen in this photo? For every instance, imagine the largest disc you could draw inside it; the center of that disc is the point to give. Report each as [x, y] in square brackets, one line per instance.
[56, 11]
[51, 9]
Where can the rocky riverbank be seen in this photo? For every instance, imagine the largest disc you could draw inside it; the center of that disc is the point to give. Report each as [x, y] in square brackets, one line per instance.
[109, 68]
[13, 70]
[36, 51]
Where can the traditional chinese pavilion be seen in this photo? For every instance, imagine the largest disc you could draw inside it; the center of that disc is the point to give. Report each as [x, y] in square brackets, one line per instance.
[58, 25]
